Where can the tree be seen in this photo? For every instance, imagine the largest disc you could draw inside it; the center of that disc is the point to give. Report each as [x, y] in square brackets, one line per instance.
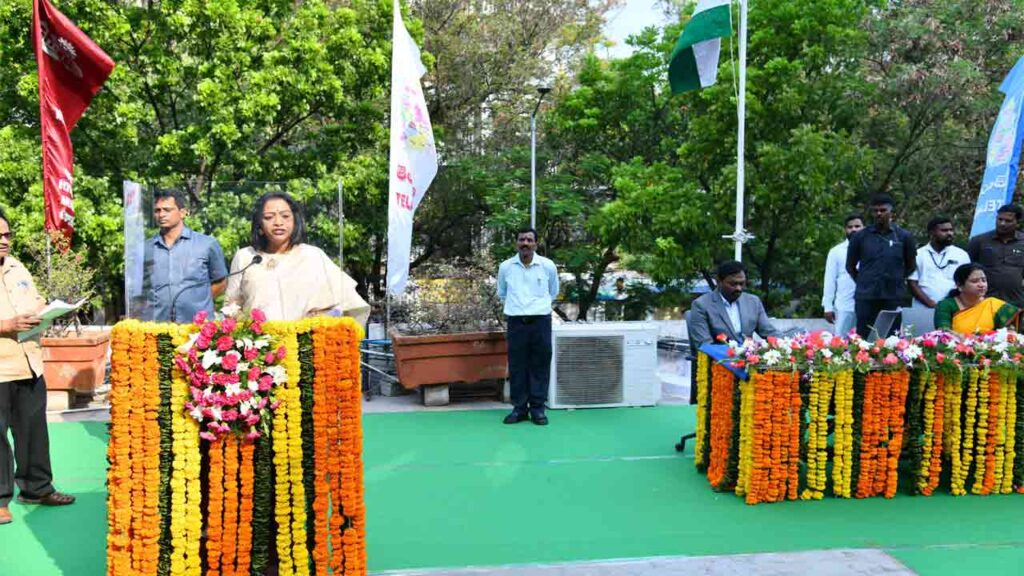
[218, 90]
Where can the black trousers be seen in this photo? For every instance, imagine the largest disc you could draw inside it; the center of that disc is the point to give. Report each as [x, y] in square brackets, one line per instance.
[529, 361]
[867, 311]
[23, 412]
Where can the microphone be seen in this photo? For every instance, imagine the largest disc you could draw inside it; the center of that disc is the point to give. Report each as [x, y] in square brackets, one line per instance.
[255, 260]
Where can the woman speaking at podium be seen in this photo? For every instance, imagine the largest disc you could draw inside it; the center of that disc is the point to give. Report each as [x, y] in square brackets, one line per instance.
[285, 277]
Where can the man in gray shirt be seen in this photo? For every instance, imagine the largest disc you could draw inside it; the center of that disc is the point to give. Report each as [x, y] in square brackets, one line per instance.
[1001, 252]
[184, 270]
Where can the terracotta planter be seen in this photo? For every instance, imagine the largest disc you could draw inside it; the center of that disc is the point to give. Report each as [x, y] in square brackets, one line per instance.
[76, 363]
[445, 358]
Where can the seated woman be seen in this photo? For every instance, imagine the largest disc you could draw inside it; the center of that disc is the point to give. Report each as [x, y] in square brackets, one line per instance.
[294, 280]
[967, 311]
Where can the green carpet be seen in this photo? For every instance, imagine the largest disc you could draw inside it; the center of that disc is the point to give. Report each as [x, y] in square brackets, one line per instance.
[448, 489]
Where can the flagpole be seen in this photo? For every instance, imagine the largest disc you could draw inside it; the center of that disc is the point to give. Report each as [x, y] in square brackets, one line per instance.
[341, 224]
[739, 236]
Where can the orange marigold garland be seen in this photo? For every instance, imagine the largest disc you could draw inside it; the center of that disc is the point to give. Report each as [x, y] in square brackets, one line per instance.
[246, 486]
[215, 508]
[119, 484]
[229, 548]
[722, 398]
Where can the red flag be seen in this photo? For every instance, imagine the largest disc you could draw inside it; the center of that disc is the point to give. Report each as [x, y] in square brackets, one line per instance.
[72, 69]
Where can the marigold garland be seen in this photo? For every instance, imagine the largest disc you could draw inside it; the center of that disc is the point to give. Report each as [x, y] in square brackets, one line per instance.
[700, 433]
[842, 445]
[722, 398]
[819, 398]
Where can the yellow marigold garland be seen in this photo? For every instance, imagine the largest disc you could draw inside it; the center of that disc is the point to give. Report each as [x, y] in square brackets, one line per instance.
[703, 363]
[981, 431]
[746, 435]
[842, 445]
[1010, 447]
[819, 397]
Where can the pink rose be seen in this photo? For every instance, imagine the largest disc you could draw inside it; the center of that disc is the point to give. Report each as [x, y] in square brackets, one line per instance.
[202, 343]
[269, 358]
[281, 353]
[228, 325]
[940, 357]
[258, 315]
[753, 358]
[254, 374]
[209, 330]
[256, 327]
[863, 357]
[253, 435]
[251, 354]
[773, 341]
[200, 317]
[230, 415]
[890, 359]
[181, 364]
[252, 420]
[225, 343]
[208, 436]
[731, 352]
[230, 362]
[739, 363]
[266, 383]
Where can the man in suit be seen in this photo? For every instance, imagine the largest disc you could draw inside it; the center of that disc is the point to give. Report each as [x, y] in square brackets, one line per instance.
[728, 310]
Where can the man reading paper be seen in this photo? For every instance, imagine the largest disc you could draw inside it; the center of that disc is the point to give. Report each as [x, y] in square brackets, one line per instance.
[22, 390]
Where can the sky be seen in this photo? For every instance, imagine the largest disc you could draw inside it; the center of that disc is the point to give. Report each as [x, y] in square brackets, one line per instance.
[632, 17]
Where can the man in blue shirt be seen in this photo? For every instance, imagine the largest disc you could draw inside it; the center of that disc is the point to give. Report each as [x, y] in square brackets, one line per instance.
[528, 284]
[880, 258]
[184, 270]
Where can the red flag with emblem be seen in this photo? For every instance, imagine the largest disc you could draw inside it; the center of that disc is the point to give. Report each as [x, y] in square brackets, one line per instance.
[72, 69]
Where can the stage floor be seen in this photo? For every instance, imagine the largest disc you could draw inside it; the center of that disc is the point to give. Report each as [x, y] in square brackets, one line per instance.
[457, 488]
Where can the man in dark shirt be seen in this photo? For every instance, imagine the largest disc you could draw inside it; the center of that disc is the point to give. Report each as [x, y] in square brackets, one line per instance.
[879, 259]
[1001, 252]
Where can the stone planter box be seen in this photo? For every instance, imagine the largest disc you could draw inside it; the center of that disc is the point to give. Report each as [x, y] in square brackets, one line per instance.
[441, 359]
[75, 364]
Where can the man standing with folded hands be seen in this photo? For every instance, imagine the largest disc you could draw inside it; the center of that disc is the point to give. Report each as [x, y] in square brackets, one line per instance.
[22, 390]
[528, 285]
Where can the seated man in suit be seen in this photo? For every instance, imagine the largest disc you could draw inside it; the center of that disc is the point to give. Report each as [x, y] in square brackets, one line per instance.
[727, 310]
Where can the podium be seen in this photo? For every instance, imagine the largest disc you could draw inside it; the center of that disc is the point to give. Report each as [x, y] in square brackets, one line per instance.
[182, 505]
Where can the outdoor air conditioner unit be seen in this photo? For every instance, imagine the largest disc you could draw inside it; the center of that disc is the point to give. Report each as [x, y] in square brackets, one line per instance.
[604, 364]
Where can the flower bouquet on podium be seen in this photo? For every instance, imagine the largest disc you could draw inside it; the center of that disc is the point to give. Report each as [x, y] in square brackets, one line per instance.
[233, 368]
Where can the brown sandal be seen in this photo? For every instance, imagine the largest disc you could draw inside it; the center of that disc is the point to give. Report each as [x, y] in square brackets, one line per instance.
[52, 499]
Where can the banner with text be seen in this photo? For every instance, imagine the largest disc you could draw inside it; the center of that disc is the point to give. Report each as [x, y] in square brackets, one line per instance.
[413, 162]
[72, 69]
[1001, 163]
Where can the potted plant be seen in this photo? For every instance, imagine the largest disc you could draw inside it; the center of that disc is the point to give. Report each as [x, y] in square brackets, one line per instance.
[450, 329]
[74, 357]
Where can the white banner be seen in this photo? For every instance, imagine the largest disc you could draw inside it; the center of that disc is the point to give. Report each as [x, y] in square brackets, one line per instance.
[413, 155]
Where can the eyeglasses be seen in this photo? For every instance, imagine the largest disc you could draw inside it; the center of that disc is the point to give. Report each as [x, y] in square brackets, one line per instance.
[6, 235]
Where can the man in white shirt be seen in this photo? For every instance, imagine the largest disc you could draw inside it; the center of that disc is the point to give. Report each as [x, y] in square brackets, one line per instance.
[838, 298]
[528, 284]
[936, 262]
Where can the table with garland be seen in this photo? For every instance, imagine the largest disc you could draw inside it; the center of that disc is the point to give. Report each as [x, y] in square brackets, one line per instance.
[235, 447]
[819, 415]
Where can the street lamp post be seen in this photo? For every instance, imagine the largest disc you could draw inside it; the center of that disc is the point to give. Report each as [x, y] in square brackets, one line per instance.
[543, 90]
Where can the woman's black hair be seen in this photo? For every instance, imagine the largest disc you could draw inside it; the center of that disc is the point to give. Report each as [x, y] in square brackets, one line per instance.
[258, 240]
[962, 273]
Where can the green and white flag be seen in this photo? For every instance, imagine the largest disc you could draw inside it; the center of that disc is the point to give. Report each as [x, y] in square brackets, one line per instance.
[694, 62]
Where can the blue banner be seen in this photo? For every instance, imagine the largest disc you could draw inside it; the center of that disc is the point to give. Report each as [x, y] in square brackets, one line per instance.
[1001, 163]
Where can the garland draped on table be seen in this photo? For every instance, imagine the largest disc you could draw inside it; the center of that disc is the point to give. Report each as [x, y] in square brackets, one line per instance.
[823, 415]
[298, 490]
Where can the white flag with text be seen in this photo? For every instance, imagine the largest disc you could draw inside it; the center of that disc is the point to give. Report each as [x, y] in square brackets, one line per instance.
[413, 155]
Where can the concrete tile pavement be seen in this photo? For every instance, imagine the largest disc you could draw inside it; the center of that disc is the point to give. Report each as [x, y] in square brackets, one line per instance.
[819, 563]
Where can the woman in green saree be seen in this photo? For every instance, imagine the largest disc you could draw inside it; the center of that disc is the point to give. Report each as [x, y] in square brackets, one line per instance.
[967, 311]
